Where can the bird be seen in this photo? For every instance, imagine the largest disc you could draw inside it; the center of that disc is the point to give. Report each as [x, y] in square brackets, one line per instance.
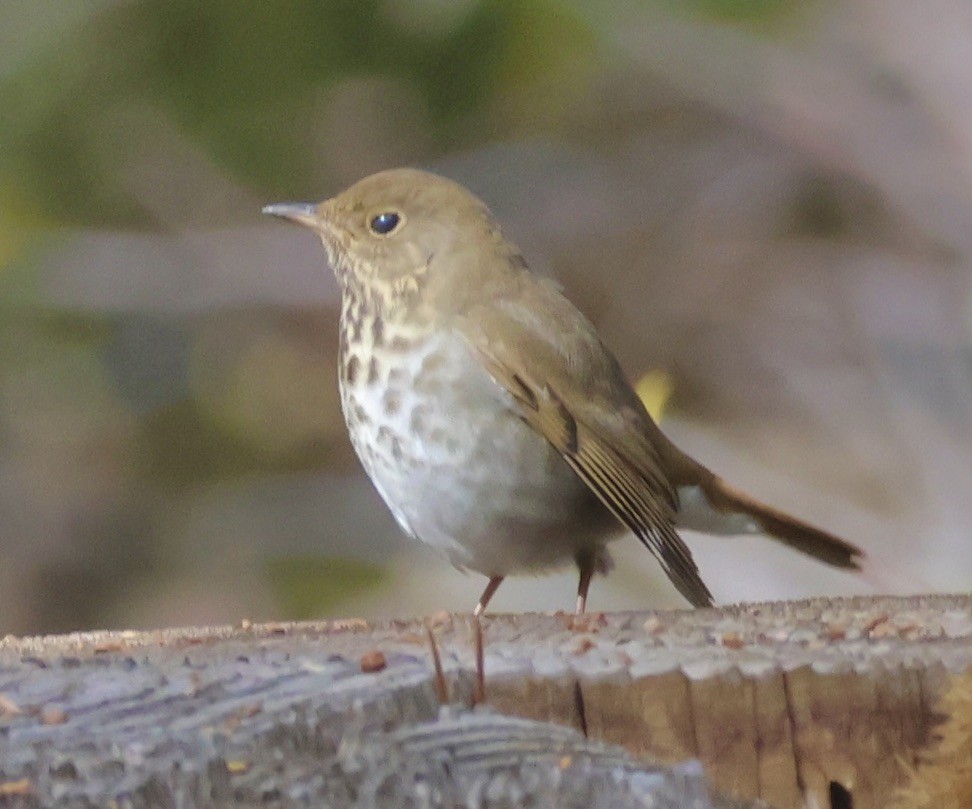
[493, 421]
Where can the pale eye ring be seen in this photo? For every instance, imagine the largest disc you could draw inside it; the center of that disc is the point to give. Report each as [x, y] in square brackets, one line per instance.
[385, 223]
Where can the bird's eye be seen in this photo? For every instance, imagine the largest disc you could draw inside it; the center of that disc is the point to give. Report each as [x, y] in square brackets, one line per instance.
[384, 223]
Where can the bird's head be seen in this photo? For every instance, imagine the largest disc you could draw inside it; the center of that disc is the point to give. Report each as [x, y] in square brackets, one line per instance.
[398, 228]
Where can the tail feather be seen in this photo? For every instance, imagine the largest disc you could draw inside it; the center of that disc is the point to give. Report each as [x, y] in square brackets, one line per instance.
[790, 531]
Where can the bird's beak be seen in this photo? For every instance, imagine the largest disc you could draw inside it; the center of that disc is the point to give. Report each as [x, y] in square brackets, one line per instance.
[300, 213]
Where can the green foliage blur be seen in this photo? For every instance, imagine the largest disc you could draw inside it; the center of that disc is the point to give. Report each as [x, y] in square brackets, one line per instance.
[124, 416]
[240, 78]
[171, 446]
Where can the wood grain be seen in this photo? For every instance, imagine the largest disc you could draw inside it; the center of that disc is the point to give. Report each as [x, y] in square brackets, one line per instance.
[777, 701]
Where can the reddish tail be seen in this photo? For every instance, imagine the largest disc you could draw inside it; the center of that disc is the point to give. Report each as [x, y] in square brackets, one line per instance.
[782, 527]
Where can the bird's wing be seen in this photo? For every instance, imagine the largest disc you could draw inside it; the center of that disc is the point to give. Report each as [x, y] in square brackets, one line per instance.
[566, 385]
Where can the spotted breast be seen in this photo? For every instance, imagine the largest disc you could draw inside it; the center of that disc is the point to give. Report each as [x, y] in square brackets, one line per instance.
[422, 416]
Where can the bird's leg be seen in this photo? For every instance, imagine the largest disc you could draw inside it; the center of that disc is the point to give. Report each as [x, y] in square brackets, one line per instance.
[441, 684]
[479, 694]
[586, 563]
[488, 593]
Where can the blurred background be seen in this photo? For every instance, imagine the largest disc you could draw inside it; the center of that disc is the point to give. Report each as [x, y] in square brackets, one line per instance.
[765, 206]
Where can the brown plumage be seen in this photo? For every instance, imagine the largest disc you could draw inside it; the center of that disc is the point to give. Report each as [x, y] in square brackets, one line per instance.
[516, 442]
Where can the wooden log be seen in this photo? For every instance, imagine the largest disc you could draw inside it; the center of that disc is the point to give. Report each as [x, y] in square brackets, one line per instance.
[812, 703]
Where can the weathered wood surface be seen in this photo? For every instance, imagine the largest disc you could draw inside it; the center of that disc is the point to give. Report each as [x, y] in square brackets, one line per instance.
[793, 702]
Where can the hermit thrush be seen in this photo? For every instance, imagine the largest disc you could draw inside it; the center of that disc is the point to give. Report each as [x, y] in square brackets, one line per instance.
[493, 421]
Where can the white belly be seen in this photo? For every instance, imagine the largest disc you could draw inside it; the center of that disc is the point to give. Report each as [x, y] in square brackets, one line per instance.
[458, 469]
